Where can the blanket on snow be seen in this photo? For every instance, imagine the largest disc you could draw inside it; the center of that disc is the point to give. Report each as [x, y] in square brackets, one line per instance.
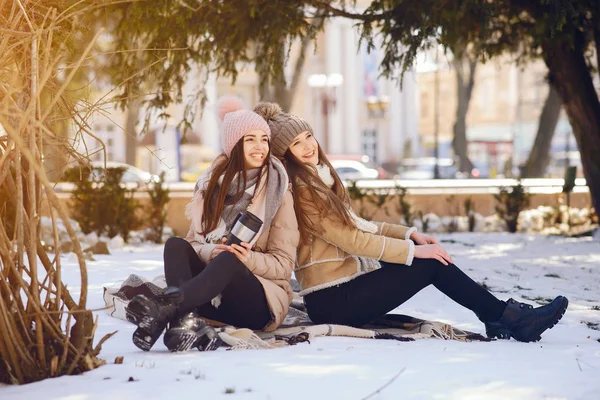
[297, 326]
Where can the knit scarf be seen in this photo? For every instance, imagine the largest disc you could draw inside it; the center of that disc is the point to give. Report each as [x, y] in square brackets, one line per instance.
[365, 264]
[361, 223]
[264, 201]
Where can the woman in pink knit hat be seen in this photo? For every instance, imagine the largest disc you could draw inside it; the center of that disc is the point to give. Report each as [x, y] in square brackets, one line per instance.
[243, 281]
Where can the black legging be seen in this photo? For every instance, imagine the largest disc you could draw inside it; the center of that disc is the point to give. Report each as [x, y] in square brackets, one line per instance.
[243, 302]
[372, 295]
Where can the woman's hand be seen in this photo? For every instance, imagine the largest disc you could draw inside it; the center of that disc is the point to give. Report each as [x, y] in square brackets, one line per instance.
[242, 252]
[218, 250]
[421, 238]
[433, 251]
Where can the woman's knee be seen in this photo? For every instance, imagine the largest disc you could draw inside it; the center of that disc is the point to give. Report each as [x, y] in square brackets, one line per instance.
[227, 259]
[424, 263]
[175, 243]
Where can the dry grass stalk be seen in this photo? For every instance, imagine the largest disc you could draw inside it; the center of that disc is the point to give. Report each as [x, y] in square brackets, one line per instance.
[36, 309]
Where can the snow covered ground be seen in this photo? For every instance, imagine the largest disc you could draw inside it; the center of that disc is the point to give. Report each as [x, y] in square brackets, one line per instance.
[565, 364]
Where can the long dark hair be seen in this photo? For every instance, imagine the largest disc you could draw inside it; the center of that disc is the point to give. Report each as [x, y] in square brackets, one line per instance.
[227, 167]
[308, 188]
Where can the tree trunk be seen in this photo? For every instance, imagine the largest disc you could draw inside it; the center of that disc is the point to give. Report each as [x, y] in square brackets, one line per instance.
[539, 156]
[465, 80]
[574, 84]
[596, 30]
[276, 89]
[281, 93]
[133, 112]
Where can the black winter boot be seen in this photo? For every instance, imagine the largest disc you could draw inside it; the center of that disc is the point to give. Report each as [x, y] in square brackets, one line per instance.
[191, 331]
[525, 323]
[151, 315]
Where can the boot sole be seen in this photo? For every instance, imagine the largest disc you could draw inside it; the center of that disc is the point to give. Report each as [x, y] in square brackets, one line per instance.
[144, 339]
[148, 330]
[137, 313]
[180, 340]
[560, 312]
[504, 336]
[177, 340]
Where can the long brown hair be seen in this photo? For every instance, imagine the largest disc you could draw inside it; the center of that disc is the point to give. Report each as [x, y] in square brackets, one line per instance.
[308, 188]
[227, 167]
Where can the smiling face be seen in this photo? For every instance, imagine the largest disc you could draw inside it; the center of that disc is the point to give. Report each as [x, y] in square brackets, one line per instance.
[256, 148]
[305, 148]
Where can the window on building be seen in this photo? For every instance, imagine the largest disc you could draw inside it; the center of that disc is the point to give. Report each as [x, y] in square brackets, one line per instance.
[487, 94]
[424, 105]
[369, 143]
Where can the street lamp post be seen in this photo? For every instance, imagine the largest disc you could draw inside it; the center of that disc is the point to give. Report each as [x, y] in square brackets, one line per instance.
[376, 107]
[327, 85]
[436, 117]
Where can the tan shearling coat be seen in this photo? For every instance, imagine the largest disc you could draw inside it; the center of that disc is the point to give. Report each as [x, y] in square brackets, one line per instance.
[331, 256]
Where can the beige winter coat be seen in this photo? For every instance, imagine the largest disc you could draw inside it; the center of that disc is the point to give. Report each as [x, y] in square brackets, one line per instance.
[331, 256]
[272, 259]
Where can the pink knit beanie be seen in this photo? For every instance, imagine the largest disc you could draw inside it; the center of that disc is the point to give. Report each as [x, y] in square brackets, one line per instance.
[237, 121]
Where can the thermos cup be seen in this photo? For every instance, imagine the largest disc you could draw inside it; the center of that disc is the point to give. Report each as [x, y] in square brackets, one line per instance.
[244, 229]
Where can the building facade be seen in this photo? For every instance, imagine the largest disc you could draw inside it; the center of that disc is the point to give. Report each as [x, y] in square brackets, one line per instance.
[503, 114]
[354, 112]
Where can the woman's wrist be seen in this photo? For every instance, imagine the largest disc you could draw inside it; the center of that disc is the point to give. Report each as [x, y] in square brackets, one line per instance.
[411, 233]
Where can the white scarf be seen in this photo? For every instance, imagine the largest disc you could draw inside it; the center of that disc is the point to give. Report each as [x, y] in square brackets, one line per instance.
[365, 265]
[362, 224]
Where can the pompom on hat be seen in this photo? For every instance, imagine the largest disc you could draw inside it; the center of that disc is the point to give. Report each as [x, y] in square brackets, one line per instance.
[284, 127]
[236, 121]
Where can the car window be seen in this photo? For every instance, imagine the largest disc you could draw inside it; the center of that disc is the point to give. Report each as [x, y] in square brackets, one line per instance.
[448, 172]
[97, 174]
[129, 176]
[346, 170]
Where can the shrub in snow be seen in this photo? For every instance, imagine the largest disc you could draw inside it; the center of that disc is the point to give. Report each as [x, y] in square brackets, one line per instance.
[531, 221]
[479, 222]
[167, 233]
[418, 223]
[157, 208]
[116, 243]
[434, 223]
[511, 201]
[64, 240]
[403, 207]
[102, 204]
[493, 223]
[448, 224]
[469, 206]
[579, 217]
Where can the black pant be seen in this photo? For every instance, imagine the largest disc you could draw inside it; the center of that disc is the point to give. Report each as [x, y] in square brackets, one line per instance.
[372, 295]
[243, 302]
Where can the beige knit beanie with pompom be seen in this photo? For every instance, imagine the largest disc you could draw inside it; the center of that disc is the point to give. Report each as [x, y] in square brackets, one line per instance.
[284, 127]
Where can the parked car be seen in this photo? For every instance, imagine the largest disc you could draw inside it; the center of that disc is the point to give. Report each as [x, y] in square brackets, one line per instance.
[423, 168]
[191, 174]
[559, 161]
[131, 174]
[352, 170]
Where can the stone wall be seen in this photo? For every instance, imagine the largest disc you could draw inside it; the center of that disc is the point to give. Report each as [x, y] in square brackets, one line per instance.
[484, 203]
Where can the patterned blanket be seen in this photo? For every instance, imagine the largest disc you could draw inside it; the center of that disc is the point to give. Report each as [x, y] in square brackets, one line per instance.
[297, 326]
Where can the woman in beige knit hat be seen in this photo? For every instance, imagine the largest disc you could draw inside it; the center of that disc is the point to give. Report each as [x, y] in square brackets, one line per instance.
[246, 284]
[352, 271]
